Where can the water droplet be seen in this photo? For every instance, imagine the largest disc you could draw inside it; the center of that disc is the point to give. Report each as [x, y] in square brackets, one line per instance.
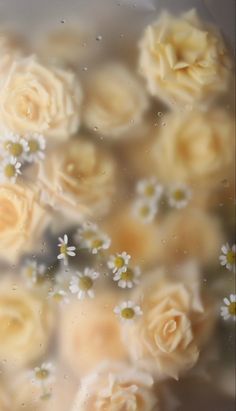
[160, 114]
[95, 128]
[62, 21]
[163, 124]
[99, 38]
[85, 68]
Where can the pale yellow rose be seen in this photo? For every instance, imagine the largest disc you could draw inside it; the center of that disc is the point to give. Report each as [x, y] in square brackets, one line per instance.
[34, 98]
[25, 325]
[117, 387]
[22, 221]
[89, 333]
[184, 60]
[167, 338]
[78, 178]
[115, 101]
[196, 147]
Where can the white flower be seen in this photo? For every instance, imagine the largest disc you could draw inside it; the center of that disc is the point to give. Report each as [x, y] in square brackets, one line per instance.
[44, 374]
[229, 309]
[89, 236]
[82, 284]
[128, 278]
[9, 170]
[145, 210]
[59, 296]
[128, 311]
[178, 195]
[65, 250]
[33, 272]
[14, 145]
[227, 257]
[150, 189]
[37, 145]
[118, 263]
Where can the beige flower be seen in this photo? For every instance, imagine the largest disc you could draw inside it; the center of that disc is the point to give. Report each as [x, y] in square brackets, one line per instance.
[116, 387]
[195, 148]
[184, 60]
[22, 220]
[78, 178]
[115, 101]
[168, 337]
[34, 98]
[89, 333]
[25, 325]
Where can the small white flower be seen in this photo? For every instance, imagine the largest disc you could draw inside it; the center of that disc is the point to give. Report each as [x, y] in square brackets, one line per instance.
[34, 273]
[9, 170]
[44, 374]
[227, 257]
[14, 145]
[145, 210]
[128, 311]
[89, 236]
[82, 284]
[37, 145]
[178, 195]
[65, 250]
[118, 263]
[59, 296]
[229, 309]
[150, 189]
[128, 278]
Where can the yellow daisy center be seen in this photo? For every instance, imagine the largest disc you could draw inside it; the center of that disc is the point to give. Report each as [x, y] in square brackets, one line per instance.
[29, 271]
[33, 146]
[144, 211]
[42, 374]
[57, 297]
[149, 190]
[128, 275]
[15, 149]
[85, 283]
[88, 234]
[179, 195]
[119, 262]
[63, 249]
[127, 313]
[232, 309]
[230, 257]
[10, 170]
[97, 243]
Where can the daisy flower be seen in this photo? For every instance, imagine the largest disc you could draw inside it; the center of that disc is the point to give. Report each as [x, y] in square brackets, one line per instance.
[82, 284]
[33, 272]
[227, 257]
[128, 278]
[90, 237]
[150, 189]
[44, 374]
[15, 146]
[118, 263]
[128, 311]
[37, 145]
[145, 210]
[229, 309]
[65, 250]
[9, 170]
[178, 195]
[59, 296]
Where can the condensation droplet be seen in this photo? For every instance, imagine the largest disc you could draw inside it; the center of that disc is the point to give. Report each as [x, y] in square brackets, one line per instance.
[99, 38]
[63, 21]
[85, 68]
[160, 114]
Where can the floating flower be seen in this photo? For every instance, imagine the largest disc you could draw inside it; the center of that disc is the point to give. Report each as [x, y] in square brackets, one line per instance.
[91, 237]
[83, 283]
[33, 272]
[44, 374]
[9, 170]
[179, 195]
[150, 189]
[65, 250]
[15, 146]
[37, 145]
[145, 210]
[59, 296]
[118, 263]
[229, 309]
[128, 278]
[227, 257]
[128, 311]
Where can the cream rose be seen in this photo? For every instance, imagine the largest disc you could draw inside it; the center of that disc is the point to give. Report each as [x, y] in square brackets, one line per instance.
[167, 338]
[25, 325]
[89, 333]
[22, 220]
[196, 147]
[116, 387]
[115, 101]
[184, 60]
[34, 98]
[78, 178]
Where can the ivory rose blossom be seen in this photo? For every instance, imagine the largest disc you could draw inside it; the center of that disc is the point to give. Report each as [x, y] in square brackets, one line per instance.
[36, 99]
[195, 147]
[115, 101]
[116, 387]
[22, 220]
[168, 337]
[78, 178]
[184, 60]
[25, 325]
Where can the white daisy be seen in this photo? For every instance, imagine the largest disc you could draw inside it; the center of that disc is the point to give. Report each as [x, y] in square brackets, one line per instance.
[44, 374]
[150, 189]
[34, 273]
[128, 311]
[89, 236]
[82, 284]
[118, 262]
[229, 309]
[14, 145]
[178, 195]
[59, 296]
[9, 170]
[128, 278]
[65, 250]
[145, 210]
[37, 145]
[227, 257]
